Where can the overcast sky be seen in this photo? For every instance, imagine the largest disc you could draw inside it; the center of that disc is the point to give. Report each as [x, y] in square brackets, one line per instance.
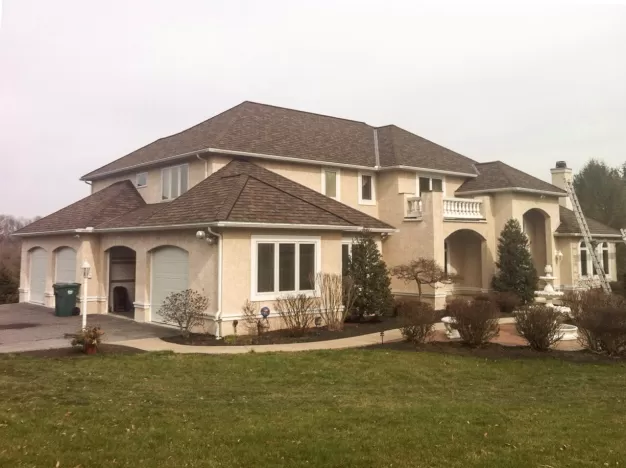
[85, 82]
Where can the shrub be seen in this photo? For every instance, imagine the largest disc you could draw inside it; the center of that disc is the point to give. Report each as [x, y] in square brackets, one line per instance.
[348, 288]
[296, 311]
[332, 289]
[516, 272]
[90, 336]
[252, 318]
[9, 284]
[371, 278]
[506, 301]
[602, 329]
[417, 321]
[539, 325]
[185, 309]
[476, 321]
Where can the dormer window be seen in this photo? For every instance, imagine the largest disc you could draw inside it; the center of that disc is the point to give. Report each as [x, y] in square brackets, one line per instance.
[174, 181]
[141, 179]
[330, 183]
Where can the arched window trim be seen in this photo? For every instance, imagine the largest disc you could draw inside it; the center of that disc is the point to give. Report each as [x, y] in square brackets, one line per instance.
[602, 250]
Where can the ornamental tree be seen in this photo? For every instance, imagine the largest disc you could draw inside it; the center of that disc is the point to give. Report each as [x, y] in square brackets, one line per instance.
[424, 271]
[369, 273]
[515, 270]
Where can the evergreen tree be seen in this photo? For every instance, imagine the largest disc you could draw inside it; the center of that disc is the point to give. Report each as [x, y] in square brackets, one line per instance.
[371, 278]
[8, 286]
[516, 272]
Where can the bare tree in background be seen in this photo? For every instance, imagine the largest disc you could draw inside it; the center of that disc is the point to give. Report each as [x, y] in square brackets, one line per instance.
[10, 251]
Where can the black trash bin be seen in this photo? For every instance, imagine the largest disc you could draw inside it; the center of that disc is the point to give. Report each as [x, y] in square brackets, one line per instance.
[65, 295]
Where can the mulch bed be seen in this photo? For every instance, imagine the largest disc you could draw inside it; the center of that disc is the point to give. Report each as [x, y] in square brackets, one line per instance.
[282, 336]
[497, 351]
[74, 352]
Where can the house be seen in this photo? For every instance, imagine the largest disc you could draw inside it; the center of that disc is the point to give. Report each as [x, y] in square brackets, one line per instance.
[249, 203]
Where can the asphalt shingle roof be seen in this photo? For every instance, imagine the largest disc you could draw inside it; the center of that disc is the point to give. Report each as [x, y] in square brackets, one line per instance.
[498, 175]
[569, 225]
[239, 192]
[260, 128]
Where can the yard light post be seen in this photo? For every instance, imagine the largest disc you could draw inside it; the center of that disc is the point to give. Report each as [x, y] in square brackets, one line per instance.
[86, 274]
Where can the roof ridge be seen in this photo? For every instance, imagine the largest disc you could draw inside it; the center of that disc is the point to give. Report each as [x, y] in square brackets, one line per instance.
[243, 181]
[307, 112]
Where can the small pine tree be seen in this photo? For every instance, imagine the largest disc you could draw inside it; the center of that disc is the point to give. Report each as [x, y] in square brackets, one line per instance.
[372, 283]
[9, 284]
[516, 272]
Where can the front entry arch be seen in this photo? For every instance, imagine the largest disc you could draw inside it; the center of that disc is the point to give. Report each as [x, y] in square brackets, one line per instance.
[463, 258]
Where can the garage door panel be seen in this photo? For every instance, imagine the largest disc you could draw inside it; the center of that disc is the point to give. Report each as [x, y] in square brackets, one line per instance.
[170, 274]
[38, 268]
[65, 265]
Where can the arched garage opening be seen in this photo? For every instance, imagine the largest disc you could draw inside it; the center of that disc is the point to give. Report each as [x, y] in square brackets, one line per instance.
[122, 275]
[169, 274]
[38, 267]
[65, 265]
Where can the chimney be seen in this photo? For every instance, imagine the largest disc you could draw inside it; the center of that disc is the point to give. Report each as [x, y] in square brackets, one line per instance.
[560, 174]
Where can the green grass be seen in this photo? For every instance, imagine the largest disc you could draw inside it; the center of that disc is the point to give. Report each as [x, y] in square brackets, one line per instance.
[354, 408]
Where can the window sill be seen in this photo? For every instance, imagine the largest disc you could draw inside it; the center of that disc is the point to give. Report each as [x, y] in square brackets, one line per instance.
[140, 186]
[367, 202]
[273, 296]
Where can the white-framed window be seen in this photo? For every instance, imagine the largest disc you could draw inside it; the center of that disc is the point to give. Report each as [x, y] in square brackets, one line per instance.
[586, 263]
[141, 180]
[367, 188]
[426, 183]
[331, 182]
[284, 265]
[346, 253]
[174, 181]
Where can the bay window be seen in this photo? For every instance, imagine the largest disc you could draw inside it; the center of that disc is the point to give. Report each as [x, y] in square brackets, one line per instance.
[284, 266]
[174, 181]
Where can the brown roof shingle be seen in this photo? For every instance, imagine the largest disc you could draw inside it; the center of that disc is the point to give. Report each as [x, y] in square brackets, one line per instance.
[96, 209]
[498, 175]
[569, 225]
[264, 129]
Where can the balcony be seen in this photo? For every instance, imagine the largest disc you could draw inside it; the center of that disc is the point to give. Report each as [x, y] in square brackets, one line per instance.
[465, 209]
[462, 208]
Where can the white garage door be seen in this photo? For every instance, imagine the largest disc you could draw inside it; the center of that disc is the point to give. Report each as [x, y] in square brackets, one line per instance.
[170, 273]
[65, 266]
[38, 267]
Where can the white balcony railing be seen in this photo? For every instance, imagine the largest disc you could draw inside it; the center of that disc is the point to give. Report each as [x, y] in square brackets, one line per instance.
[413, 207]
[462, 208]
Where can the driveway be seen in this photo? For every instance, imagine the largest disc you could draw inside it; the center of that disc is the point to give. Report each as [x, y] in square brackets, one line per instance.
[26, 327]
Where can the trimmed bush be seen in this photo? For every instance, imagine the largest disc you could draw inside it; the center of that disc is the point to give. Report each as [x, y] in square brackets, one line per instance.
[417, 321]
[506, 301]
[539, 325]
[476, 321]
[296, 311]
[602, 329]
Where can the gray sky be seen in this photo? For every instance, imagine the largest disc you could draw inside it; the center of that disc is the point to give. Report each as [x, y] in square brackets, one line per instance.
[85, 82]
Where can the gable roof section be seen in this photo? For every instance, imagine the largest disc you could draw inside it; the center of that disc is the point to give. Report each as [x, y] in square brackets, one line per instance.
[569, 225]
[100, 207]
[497, 176]
[262, 129]
[397, 147]
[243, 192]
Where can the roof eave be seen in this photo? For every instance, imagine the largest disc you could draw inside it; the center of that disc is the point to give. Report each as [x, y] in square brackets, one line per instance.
[512, 189]
[578, 234]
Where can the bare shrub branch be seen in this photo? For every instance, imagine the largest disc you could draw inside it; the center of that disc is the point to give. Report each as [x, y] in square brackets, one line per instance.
[333, 289]
[417, 320]
[476, 321]
[539, 325]
[296, 311]
[185, 309]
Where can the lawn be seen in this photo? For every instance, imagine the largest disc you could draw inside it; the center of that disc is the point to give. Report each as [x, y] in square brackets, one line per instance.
[353, 408]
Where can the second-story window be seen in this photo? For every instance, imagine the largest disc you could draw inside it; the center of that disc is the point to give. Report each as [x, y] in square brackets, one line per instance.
[367, 191]
[330, 183]
[174, 181]
[429, 184]
[141, 180]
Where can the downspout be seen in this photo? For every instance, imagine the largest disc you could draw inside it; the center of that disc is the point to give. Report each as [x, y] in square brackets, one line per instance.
[206, 165]
[218, 314]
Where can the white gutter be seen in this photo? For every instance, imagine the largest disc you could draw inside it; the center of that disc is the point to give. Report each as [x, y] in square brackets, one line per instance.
[513, 189]
[320, 227]
[218, 314]
[593, 236]
[275, 158]
[45, 233]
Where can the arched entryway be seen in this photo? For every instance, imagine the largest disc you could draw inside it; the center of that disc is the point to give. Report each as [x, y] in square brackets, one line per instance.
[122, 275]
[38, 268]
[170, 274]
[463, 258]
[536, 226]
